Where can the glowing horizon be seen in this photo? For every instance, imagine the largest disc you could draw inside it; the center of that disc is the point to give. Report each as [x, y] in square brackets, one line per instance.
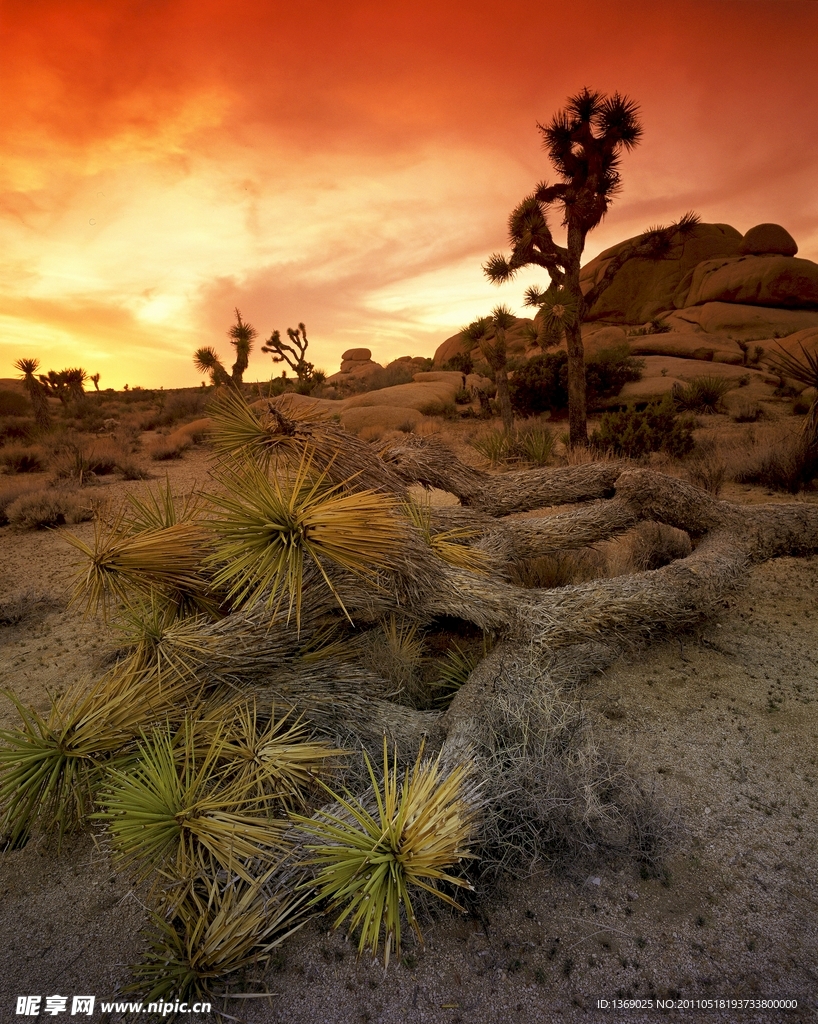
[353, 168]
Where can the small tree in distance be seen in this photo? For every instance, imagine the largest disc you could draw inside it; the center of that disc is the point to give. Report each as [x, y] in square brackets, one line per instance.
[37, 392]
[293, 354]
[242, 336]
[489, 332]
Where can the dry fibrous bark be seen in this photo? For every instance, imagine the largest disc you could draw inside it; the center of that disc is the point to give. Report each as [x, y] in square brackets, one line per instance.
[427, 461]
[558, 634]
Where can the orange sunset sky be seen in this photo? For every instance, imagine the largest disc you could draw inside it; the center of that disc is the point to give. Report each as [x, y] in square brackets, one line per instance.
[351, 164]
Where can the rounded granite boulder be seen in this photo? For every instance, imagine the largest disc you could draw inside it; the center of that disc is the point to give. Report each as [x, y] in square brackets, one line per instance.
[768, 240]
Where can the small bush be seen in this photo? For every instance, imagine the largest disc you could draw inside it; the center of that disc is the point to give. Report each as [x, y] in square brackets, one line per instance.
[182, 405]
[542, 384]
[18, 458]
[14, 428]
[171, 447]
[11, 490]
[656, 428]
[558, 569]
[747, 412]
[41, 509]
[787, 463]
[526, 444]
[707, 469]
[461, 361]
[702, 394]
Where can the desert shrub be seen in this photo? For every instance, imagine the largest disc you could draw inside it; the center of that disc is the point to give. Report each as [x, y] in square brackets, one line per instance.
[463, 396]
[542, 384]
[12, 403]
[633, 433]
[702, 394]
[14, 428]
[781, 463]
[707, 468]
[41, 509]
[171, 447]
[11, 490]
[25, 605]
[18, 458]
[461, 361]
[182, 405]
[88, 414]
[608, 372]
[746, 412]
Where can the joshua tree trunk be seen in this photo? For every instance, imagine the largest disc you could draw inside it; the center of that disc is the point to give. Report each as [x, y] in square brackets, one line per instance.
[577, 416]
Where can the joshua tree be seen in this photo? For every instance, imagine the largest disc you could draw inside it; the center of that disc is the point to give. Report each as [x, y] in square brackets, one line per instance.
[583, 142]
[75, 379]
[37, 392]
[94, 378]
[242, 336]
[489, 332]
[206, 360]
[294, 354]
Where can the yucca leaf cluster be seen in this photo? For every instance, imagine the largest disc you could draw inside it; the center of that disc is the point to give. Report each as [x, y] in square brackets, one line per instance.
[369, 860]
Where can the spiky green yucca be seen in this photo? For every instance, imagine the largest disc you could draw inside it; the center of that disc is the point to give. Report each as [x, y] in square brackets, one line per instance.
[369, 862]
[157, 635]
[52, 767]
[120, 564]
[268, 525]
[218, 929]
[173, 806]
[276, 759]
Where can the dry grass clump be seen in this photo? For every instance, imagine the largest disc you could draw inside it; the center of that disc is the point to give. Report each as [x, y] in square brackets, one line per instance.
[647, 546]
[777, 458]
[38, 510]
[395, 652]
[25, 605]
[173, 446]
[702, 394]
[11, 490]
[554, 792]
[559, 569]
[707, 468]
[22, 458]
[747, 411]
[532, 444]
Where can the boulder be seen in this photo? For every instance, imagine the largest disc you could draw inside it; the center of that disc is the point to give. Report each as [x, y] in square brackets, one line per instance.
[687, 345]
[734, 320]
[781, 281]
[768, 240]
[356, 355]
[660, 373]
[644, 288]
[430, 393]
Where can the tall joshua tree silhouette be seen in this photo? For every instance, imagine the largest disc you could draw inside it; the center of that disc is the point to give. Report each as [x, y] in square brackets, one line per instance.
[242, 336]
[583, 142]
[37, 392]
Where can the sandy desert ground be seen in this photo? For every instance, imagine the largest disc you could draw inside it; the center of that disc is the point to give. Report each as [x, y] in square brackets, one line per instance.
[723, 722]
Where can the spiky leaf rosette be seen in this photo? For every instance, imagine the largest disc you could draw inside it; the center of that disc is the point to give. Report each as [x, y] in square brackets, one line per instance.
[156, 634]
[370, 860]
[159, 510]
[51, 768]
[119, 564]
[270, 525]
[559, 309]
[275, 758]
[219, 928]
[173, 806]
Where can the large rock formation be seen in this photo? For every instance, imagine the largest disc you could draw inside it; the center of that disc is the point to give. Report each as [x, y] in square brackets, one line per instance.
[518, 343]
[713, 263]
[781, 281]
[644, 288]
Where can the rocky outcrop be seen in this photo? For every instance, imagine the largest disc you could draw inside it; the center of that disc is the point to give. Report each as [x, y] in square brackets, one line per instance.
[782, 281]
[644, 288]
[734, 320]
[518, 343]
[768, 240]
